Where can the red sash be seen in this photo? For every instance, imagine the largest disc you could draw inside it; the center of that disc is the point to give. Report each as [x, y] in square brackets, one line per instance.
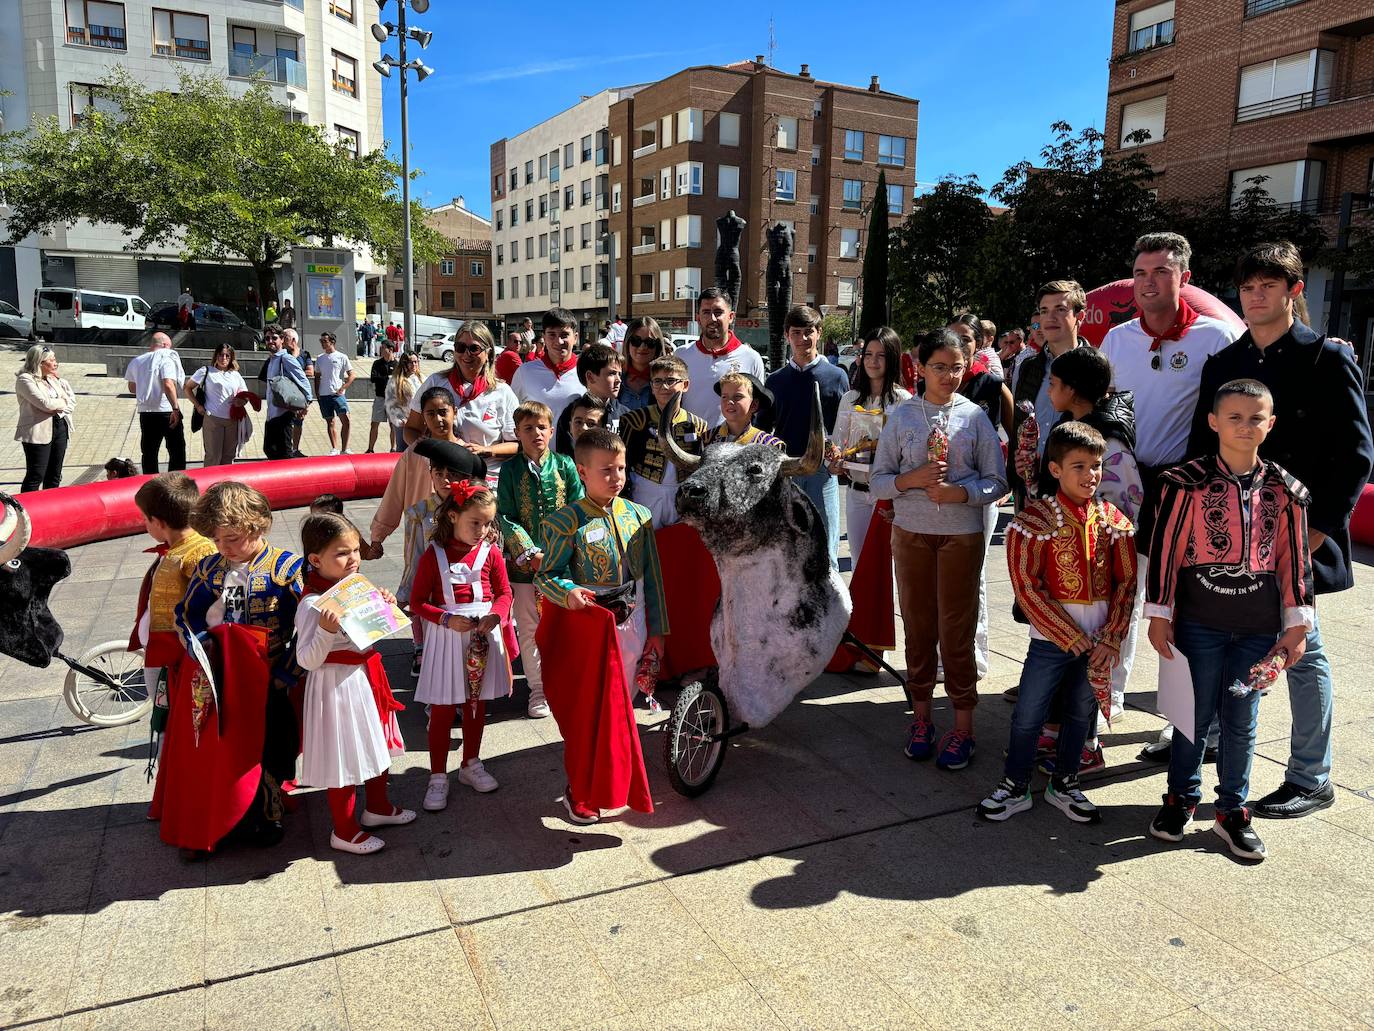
[870, 589]
[691, 588]
[387, 705]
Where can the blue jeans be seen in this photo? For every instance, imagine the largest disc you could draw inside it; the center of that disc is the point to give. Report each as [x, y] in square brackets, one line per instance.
[1047, 670]
[1217, 659]
[1309, 696]
[824, 493]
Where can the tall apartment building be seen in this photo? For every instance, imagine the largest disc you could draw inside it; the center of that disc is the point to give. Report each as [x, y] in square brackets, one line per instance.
[550, 198]
[315, 54]
[458, 285]
[1233, 89]
[770, 146]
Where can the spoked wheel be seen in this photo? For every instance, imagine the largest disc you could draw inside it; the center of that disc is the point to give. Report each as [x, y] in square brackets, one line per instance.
[694, 745]
[116, 695]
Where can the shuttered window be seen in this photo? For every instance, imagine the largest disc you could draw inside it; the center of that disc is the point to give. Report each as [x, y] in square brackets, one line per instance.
[1147, 115]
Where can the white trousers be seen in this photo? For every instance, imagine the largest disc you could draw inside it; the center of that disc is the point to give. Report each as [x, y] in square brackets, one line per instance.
[526, 615]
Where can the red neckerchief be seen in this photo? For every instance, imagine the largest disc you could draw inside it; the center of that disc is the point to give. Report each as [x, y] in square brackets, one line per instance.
[1182, 323]
[477, 388]
[160, 549]
[562, 367]
[315, 583]
[978, 366]
[731, 343]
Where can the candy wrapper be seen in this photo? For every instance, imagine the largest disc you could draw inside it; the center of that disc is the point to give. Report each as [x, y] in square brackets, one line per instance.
[1027, 457]
[1100, 677]
[1262, 675]
[475, 663]
[646, 678]
[937, 448]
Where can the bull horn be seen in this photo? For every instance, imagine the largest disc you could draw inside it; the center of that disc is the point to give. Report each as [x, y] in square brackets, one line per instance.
[815, 444]
[686, 464]
[14, 529]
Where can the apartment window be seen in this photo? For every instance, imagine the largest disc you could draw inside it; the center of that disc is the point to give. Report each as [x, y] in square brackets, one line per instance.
[815, 205]
[543, 284]
[818, 109]
[529, 248]
[243, 40]
[350, 139]
[615, 197]
[586, 148]
[1286, 84]
[815, 155]
[477, 268]
[586, 235]
[514, 215]
[178, 34]
[853, 194]
[586, 277]
[568, 279]
[567, 155]
[543, 205]
[478, 300]
[515, 288]
[92, 23]
[543, 166]
[496, 183]
[500, 219]
[87, 98]
[688, 230]
[514, 178]
[345, 74]
[603, 192]
[586, 192]
[543, 246]
[398, 299]
[569, 194]
[568, 240]
[554, 174]
[500, 289]
[689, 177]
[665, 183]
[787, 133]
[689, 129]
[785, 185]
[1151, 27]
[853, 145]
[849, 243]
[448, 300]
[848, 288]
[342, 9]
[892, 151]
[896, 200]
[811, 255]
[1144, 116]
[729, 129]
[529, 210]
[1296, 185]
[603, 146]
[500, 254]
[727, 181]
[686, 282]
[529, 285]
[615, 150]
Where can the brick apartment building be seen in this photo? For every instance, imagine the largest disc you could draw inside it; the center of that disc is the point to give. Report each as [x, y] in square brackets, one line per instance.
[1233, 89]
[459, 284]
[772, 147]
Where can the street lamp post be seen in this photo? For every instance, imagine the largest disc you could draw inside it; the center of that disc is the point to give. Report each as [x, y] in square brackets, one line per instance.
[381, 33]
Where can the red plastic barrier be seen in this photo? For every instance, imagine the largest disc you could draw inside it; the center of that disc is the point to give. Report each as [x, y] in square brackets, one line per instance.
[1114, 303]
[1362, 522]
[68, 516]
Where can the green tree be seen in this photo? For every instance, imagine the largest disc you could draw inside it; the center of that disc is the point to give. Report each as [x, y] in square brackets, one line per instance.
[837, 328]
[873, 309]
[936, 254]
[217, 175]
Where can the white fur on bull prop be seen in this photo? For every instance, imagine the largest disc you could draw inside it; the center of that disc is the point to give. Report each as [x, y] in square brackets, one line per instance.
[783, 607]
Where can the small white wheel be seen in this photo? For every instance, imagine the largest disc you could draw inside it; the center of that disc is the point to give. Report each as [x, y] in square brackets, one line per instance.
[122, 698]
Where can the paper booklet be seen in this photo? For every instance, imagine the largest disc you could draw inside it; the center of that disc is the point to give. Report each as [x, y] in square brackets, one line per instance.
[363, 614]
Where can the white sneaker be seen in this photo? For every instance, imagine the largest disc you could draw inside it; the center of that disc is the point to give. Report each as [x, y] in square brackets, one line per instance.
[345, 451]
[333, 452]
[436, 795]
[539, 708]
[475, 776]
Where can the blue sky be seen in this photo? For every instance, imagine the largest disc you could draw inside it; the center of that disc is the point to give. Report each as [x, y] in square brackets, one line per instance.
[991, 75]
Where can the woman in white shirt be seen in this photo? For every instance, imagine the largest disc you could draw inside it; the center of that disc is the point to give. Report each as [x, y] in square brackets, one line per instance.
[213, 388]
[400, 389]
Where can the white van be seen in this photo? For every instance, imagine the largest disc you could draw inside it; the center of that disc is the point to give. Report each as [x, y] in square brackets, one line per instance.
[62, 307]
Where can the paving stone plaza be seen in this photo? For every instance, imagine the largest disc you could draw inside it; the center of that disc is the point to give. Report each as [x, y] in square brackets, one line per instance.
[824, 881]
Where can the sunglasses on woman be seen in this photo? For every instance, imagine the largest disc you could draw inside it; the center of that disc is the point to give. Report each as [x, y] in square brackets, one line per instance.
[643, 341]
[468, 348]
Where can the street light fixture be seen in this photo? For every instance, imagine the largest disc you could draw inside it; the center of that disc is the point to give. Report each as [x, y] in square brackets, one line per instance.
[381, 33]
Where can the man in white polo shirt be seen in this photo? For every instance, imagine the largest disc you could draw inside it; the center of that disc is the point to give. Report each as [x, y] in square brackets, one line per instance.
[717, 352]
[1159, 357]
[552, 379]
[333, 374]
[152, 378]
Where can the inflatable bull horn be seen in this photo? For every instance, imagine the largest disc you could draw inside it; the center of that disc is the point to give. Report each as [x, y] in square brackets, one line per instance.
[28, 631]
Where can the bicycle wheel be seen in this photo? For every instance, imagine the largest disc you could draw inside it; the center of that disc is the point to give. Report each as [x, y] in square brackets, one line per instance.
[692, 747]
[123, 699]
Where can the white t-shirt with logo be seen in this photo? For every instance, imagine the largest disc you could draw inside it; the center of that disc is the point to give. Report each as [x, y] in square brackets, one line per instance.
[332, 370]
[1165, 398]
[705, 370]
[535, 381]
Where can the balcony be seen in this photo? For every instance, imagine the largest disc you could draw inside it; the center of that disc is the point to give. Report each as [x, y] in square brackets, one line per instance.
[1306, 101]
[645, 298]
[1258, 7]
[267, 66]
[640, 201]
[644, 248]
[646, 150]
[107, 37]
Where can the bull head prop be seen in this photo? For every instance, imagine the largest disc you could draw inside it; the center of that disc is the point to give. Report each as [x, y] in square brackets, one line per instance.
[28, 630]
[783, 607]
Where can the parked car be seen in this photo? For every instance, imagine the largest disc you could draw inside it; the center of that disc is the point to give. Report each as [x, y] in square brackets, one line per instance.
[440, 346]
[14, 323]
[208, 317]
[63, 307]
[849, 354]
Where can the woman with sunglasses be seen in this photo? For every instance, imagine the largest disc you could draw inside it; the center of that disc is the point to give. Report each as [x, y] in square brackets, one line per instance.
[404, 385]
[213, 388]
[485, 420]
[644, 341]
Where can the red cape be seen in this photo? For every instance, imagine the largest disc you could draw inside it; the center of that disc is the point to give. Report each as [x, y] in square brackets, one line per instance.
[601, 752]
[204, 788]
[692, 588]
[870, 589]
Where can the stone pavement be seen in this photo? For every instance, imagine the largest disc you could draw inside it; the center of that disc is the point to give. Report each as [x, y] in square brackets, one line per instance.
[824, 881]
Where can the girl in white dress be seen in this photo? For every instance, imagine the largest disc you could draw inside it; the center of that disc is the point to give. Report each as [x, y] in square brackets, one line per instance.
[350, 731]
[462, 594]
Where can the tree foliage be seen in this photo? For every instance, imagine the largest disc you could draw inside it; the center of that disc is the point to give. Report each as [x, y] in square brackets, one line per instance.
[873, 312]
[216, 175]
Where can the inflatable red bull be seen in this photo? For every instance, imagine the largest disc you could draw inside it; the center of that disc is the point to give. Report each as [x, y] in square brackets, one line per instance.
[1114, 303]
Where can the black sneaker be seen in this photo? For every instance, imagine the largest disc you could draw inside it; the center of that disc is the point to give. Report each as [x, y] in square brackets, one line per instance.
[1006, 800]
[1172, 819]
[1063, 793]
[1288, 801]
[1234, 829]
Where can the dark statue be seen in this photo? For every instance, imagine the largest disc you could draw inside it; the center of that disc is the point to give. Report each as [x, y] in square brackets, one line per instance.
[778, 283]
[728, 272]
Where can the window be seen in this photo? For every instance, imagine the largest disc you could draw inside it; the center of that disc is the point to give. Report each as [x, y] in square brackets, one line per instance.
[529, 285]
[568, 278]
[815, 206]
[586, 277]
[529, 248]
[514, 215]
[1151, 27]
[811, 255]
[543, 166]
[92, 23]
[514, 178]
[665, 183]
[500, 254]
[586, 148]
[603, 146]
[689, 230]
[815, 155]
[515, 252]
[478, 300]
[568, 241]
[350, 140]
[787, 133]
[849, 243]
[1287, 84]
[477, 268]
[178, 34]
[689, 125]
[342, 9]
[896, 199]
[529, 210]
[853, 145]
[818, 108]
[500, 289]
[853, 194]
[892, 151]
[569, 193]
[727, 181]
[689, 177]
[848, 288]
[729, 129]
[603, 192]
[615, 197]
[586, 192]
[586, 235]
[399, 299]
[1296, 185]
[244, 40]
[615, 150]
[786, 185]
[554, 174]
[567, 155]
[529, 171]
[686, 282]
[543, 284]
[345, 75]
[1145, 116]
[447, 266]
[543, 246]
[496, 183]
[87, 98]
[500, 219]
[543, 205]
[447, 300]
[515, 288]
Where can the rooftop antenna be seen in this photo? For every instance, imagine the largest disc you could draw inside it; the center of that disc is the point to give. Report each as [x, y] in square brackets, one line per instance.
[772, 42]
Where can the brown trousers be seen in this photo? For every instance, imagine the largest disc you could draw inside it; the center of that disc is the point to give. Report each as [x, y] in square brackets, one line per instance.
[221, 440]
[937, 588]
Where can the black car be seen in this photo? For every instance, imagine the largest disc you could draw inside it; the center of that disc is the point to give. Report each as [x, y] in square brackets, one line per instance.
[208, 318]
